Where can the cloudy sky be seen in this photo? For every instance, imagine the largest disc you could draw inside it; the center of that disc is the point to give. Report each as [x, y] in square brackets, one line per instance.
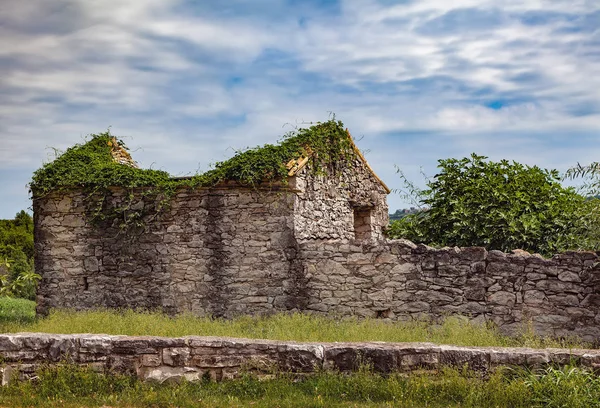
[184, 83]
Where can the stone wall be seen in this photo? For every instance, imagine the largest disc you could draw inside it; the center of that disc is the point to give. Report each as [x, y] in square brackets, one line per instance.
[400, 280]
[327, 207]
[219, 251]
[229, 251]
[171, 359]
[216, 252]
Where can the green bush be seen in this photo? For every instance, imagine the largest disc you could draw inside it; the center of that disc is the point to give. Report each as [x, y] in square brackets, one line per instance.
[500, 205]
[17, 276]
[15, 311]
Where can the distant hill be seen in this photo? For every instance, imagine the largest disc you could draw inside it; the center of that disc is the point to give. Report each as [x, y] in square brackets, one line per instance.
[399, 214]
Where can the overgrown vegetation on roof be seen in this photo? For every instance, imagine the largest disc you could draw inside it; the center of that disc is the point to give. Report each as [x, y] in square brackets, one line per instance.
[328, 142]
[91, 166]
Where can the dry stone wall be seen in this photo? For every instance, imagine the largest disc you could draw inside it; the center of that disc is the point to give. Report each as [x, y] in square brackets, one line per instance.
[326, 206]
[217, 252]
[229, 251]
[173, 359]
[399, 280]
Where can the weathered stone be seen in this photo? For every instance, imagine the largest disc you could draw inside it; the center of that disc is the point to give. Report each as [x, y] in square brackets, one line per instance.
[502, 298]
[315, 246]
[412, 307]
[534, 297]
[170, 374]
[556, 286]
[226, 358]
[350, 358]
[569, 277]
[8, 374]
[592, 299]
[95, 344]
[63, 348]
[475, 359]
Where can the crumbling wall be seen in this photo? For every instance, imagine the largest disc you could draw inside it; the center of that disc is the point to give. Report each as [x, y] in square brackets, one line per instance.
[216, 252]
[224, 252]
[399, 280]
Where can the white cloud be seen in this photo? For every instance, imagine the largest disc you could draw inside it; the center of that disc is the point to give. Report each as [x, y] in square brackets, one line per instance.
[412, 78]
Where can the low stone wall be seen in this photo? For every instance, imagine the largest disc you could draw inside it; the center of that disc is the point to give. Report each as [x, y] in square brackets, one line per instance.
[399, 280]
[171, 359]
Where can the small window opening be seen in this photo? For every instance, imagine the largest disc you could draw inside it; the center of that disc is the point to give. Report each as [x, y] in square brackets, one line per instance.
[362, 223]
[86, 285]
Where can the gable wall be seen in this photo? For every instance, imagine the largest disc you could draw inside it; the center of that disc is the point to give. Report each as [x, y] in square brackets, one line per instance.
[324, 207]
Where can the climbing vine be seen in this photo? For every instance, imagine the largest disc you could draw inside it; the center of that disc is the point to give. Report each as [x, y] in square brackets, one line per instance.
[91, 167]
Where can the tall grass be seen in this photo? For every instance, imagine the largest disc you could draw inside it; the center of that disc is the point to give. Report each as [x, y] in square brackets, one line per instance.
[296, 327]
[69, 386]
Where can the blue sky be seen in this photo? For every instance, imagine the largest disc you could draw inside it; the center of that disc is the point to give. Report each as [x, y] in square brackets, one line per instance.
[185, 83]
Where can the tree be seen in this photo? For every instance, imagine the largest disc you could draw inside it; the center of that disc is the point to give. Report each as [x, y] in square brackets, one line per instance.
[499, 205]
[17, 276]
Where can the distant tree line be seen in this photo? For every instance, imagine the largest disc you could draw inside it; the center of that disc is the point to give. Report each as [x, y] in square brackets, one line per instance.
[399, 214]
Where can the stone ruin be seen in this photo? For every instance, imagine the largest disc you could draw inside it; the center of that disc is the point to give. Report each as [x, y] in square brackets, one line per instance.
[315, 244]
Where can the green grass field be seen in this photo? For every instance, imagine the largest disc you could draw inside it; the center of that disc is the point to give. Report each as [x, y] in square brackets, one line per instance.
[17, 315]
[69, 386]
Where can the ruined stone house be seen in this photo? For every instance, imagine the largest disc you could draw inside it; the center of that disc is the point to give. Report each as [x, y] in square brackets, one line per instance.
[220, 250]
[312, 243]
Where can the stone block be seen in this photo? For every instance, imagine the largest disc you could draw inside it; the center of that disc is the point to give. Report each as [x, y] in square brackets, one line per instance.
[166, 374]
[7, 375]
[350, 358]
[412, 307]
[475, 293]
[132, 345]
[569, 277]
[473, 358]
[502, 298]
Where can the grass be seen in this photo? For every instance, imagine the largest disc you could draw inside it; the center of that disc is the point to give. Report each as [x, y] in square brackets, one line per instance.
[296, 327]
[70, 386]
[16, 311]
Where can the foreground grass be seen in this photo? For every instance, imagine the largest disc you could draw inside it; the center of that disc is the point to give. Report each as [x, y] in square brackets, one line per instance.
[68, 386]
[296, 327]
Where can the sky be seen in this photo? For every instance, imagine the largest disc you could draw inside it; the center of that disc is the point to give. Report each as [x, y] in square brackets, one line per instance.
[187, 83]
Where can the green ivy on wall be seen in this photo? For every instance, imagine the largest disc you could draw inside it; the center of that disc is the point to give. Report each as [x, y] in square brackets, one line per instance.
[91, 168]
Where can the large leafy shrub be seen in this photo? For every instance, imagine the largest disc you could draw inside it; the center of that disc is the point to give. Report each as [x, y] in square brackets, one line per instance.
[500, 205]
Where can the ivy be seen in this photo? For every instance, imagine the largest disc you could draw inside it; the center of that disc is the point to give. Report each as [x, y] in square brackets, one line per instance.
[328, 143]
[90, 167]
